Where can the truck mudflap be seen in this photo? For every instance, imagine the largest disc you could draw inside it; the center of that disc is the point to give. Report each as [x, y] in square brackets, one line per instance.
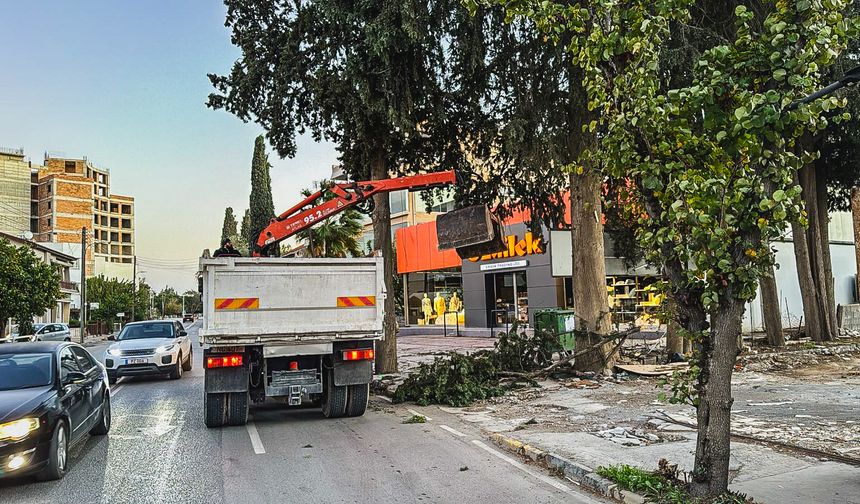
[224, 379]
[353, 373]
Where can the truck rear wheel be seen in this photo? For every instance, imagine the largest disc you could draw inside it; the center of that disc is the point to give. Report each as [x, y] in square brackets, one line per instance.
[237, 408]
[334, 403]
[214, 406]
[357, 400]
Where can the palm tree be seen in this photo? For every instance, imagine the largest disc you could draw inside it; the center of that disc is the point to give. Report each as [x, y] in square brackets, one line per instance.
[336, 236]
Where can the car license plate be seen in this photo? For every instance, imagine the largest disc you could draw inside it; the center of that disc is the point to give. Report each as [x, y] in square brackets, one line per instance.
[135, 361]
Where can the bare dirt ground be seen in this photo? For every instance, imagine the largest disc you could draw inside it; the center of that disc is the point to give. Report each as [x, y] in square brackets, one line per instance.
[807, 397]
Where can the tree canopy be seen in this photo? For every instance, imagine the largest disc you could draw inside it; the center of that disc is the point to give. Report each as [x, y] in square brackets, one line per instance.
[29, 286]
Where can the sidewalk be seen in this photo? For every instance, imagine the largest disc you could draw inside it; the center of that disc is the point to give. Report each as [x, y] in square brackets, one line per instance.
[760, 472]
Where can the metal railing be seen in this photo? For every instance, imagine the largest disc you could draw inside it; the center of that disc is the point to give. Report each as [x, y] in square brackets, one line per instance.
[445, 323]
[493, 322]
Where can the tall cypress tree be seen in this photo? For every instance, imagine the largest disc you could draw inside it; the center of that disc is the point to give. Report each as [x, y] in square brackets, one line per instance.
[228, 229]
[261, 210]
[245, 230]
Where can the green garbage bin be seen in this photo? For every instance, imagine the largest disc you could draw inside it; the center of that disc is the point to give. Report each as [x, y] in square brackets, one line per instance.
[560, 322]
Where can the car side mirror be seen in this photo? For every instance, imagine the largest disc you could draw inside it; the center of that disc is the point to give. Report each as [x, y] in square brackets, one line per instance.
[111, 337]
[74, 377]
[183, 333]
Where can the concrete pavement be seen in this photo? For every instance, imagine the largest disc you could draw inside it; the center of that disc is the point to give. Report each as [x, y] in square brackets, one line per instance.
[158, 450]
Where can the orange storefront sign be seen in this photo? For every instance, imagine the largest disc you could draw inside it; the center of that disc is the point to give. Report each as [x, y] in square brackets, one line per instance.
[527, 246]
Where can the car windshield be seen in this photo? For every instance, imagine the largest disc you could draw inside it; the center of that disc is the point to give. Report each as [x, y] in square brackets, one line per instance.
[142, 331]
[25, 370]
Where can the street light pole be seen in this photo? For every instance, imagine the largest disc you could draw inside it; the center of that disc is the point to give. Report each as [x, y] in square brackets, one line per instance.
[851, 77]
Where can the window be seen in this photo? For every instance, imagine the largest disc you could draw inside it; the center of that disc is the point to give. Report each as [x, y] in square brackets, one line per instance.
[49, 222]
[114, 237]
[443, 207]
[49, 205]
[126, 250]
[104, 206]
[85, 360]
[126, 209]
[68, 363]
[114, 208]
[114, 222]
[126, 238]
[49, 187]
[398, 202]
[70, 167]
[126, 223]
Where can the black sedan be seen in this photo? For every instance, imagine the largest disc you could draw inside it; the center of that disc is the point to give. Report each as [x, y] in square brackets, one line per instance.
[51, 395]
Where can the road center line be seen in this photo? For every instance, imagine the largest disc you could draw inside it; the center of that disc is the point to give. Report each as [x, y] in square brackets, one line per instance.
[256, 442]
[452, 431]
[546, 479]
[419, 414]
[384, 398]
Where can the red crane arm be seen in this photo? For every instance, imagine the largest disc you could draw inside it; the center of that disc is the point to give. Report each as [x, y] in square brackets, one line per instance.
[307, 213]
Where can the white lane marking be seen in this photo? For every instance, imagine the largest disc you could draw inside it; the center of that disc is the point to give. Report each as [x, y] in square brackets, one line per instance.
[384, 398]
[419, 414]
[256, 442]
[116, 390]
[546, 479]
[452, 431]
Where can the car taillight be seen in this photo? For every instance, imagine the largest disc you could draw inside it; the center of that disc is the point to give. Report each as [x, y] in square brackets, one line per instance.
[362, 354]
[233, 360]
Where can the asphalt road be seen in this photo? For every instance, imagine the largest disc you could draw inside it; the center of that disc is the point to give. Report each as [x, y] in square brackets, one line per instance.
[159, 451]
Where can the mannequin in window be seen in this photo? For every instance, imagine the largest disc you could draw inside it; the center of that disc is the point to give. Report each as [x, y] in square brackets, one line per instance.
[426, 309]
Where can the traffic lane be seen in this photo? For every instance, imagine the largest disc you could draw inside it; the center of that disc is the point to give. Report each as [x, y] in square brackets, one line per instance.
[374, 458]
[158, 450]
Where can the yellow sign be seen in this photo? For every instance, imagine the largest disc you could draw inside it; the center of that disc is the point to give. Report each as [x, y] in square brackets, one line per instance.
[527, 246]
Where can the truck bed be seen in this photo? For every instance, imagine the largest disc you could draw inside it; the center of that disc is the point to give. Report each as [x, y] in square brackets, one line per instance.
[248, 300]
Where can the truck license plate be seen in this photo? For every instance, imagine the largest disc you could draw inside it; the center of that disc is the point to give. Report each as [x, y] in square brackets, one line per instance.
[135, 361]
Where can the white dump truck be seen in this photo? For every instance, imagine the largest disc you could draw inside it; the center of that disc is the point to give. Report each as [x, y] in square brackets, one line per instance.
[289, 329]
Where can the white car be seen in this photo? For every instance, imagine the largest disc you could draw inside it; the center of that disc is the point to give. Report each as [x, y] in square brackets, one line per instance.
[152, 347]
[41, 332]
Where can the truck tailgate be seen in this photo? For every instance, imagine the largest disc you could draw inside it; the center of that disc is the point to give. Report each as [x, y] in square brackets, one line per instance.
[253, 299]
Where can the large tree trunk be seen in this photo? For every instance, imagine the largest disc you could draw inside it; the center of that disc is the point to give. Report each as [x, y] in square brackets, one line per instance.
[811, 314]
[855, 217]
[589, 283]
[719, 351]
[816, 254]
[824, 233]
[674, 340]
[386, 355]
[770, 309]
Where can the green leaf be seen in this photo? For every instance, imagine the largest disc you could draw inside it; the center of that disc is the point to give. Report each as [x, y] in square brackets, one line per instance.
[779, 74]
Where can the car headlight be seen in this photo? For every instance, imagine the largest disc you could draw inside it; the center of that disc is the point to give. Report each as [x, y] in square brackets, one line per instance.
[165, 348]
[19, 429]
[115, 352]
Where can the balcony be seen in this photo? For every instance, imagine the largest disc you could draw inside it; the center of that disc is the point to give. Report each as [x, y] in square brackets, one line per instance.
[68, 286]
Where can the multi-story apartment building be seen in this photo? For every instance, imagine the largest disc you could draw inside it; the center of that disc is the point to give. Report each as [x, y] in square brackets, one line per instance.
[14, 192]
[72, 194]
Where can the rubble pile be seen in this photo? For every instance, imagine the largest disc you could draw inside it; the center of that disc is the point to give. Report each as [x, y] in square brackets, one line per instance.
[627, 436]
[783, 361]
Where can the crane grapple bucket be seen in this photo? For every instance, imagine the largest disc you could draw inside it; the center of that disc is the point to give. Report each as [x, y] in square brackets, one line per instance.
[472, 231]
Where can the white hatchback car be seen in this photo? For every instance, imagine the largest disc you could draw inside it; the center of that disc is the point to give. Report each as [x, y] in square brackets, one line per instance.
[152, 347]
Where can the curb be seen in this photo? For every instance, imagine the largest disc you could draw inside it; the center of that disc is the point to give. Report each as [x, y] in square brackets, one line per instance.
[578, 473]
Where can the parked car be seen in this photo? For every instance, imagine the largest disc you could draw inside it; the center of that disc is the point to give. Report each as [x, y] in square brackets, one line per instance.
[51, 395]
[151, 347]
[41, 332]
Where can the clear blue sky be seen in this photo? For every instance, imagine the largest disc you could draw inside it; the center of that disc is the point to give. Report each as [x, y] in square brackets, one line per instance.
[124, 83]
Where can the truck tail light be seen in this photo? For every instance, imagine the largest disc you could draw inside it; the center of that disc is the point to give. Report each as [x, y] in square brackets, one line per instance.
[219, 361]
[362, 354]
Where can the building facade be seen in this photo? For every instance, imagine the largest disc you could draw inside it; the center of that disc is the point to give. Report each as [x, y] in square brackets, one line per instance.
[14, 192]
[72, 194]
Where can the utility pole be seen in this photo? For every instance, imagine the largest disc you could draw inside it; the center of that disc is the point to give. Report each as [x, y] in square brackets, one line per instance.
[83, 283]
[134, 288]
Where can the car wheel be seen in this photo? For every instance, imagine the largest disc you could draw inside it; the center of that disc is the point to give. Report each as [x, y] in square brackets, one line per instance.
[188, 362]
[112, 378]
[357, 396]
[59, 455]
[177, 370]
[102, 428]
[334, 402]
[213, 404]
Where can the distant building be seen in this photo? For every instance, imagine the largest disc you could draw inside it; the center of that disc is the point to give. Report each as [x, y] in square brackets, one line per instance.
[71, 194]
[14, 192]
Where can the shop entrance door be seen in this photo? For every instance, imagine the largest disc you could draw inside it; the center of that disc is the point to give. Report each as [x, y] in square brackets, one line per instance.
[511, 298]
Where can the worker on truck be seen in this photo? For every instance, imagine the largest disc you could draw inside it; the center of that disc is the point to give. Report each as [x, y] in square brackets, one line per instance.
[226, 249]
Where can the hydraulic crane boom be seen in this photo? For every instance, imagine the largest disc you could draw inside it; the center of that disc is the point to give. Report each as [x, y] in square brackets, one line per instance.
[347, 195]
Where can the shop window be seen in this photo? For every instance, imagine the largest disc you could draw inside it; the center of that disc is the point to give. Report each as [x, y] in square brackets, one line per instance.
[443, 283]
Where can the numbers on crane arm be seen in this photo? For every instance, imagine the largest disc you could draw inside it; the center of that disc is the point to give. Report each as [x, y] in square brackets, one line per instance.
[313, 217]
